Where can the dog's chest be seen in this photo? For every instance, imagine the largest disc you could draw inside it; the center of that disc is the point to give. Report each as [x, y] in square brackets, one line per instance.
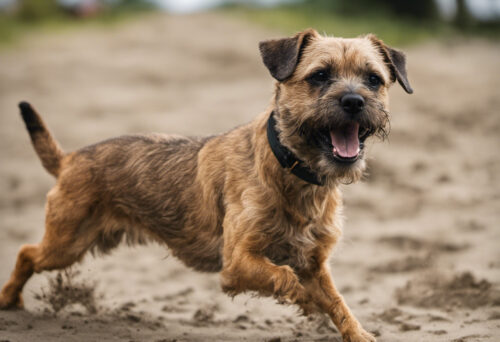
[297, 246]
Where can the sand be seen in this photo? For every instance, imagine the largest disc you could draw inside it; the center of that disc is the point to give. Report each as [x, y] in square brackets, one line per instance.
[420, 257]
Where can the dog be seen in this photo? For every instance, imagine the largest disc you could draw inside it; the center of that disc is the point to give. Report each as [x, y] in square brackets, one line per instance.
[260, 204]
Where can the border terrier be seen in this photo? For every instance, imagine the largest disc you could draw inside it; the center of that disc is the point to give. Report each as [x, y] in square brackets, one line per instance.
[259, 204]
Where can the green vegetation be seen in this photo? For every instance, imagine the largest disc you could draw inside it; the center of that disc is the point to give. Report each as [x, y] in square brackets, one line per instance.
[45, 15]
[293, 19]
[397, 22]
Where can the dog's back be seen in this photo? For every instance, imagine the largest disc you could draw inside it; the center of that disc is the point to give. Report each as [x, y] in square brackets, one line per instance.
[146, 186]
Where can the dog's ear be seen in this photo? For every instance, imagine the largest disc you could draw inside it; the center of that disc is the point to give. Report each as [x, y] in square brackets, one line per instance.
[281, 56]
[396, 62]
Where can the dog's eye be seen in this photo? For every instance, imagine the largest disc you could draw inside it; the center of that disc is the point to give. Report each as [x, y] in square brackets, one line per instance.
[374, 80]
[319, 77]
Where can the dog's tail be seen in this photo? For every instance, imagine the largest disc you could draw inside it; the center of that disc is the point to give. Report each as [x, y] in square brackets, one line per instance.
[47, 148]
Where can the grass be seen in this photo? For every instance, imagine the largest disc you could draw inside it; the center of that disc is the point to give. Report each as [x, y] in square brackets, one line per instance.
[13, 29]
[395, 31]
[288, 19]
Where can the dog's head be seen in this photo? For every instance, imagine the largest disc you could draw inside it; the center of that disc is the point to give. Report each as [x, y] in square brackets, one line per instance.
[331, 95]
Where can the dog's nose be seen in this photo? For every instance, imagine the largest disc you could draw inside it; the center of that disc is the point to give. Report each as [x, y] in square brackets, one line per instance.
[352, 103]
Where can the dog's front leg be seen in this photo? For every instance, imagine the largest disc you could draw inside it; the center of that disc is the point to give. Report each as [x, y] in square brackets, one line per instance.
[246, 270]
[321, 289]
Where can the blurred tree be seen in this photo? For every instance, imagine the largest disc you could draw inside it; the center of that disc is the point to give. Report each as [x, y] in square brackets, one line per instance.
[134, 4]
[422, 9]
[35, 10]
[463, 18]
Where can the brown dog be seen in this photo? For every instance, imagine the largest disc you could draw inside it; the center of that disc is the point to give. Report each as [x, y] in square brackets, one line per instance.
[260, 203]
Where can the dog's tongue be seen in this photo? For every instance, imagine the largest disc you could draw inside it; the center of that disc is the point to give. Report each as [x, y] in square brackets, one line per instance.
[345, 140]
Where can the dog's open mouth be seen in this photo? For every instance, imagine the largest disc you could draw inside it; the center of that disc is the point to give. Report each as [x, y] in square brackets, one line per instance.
[347, 141]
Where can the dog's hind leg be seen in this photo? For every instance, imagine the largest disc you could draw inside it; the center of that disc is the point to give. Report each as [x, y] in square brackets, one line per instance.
[10, 297]
[58, 249]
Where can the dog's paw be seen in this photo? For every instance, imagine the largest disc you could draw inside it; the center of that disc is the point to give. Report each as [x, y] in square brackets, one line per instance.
[8, 303]
[358, 335]
[287, 286]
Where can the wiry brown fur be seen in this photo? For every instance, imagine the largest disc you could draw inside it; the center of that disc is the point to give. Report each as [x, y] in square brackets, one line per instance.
[222, 203]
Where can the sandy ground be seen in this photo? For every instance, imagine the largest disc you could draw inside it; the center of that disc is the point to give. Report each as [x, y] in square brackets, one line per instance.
[420, 258]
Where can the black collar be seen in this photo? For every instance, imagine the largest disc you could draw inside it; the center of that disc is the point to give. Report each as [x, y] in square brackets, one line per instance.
[286, 158]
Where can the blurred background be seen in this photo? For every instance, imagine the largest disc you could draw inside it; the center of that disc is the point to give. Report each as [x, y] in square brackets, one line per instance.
[419, 260]
[402, 21]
